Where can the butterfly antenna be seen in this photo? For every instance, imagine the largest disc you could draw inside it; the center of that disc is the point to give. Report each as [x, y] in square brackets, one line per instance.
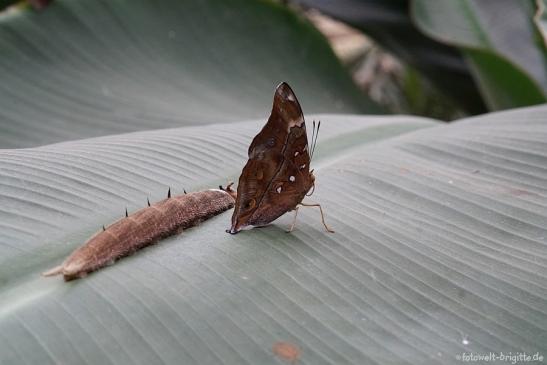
[312, 136]
[314, 142]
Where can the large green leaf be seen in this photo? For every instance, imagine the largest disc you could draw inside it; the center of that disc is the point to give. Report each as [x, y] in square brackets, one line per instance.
[440, 248]
[501, 41]
[83, 68]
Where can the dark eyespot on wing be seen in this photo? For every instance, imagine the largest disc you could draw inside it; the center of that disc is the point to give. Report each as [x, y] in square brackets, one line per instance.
[250, 204]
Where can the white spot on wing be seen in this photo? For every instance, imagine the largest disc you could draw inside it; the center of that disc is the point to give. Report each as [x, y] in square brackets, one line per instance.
[302, 167]
[296, 153]
[291, 97]
[278, 189]
[295, 123]
[292, 178]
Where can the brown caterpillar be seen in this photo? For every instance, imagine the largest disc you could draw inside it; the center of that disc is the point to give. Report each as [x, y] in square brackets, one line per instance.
[142, 228]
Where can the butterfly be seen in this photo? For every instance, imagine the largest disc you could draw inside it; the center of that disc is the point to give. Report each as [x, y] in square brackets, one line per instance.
[277, 175]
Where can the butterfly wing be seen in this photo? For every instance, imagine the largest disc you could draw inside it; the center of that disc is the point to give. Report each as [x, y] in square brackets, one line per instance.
[276, 176]
[290, 184]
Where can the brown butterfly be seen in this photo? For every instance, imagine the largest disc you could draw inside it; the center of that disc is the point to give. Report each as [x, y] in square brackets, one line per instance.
[277, 176]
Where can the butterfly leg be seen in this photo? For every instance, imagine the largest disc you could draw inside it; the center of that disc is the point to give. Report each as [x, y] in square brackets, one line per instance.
[294, 220]
[322, 215]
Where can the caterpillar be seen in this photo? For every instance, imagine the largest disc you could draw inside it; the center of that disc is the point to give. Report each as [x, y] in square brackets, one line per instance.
[142, 228]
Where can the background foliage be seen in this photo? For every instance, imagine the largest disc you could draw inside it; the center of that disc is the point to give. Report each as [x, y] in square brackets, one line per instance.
[478, 53]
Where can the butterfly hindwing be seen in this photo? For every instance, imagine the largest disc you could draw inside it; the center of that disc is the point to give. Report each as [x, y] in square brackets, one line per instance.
[290, 184]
